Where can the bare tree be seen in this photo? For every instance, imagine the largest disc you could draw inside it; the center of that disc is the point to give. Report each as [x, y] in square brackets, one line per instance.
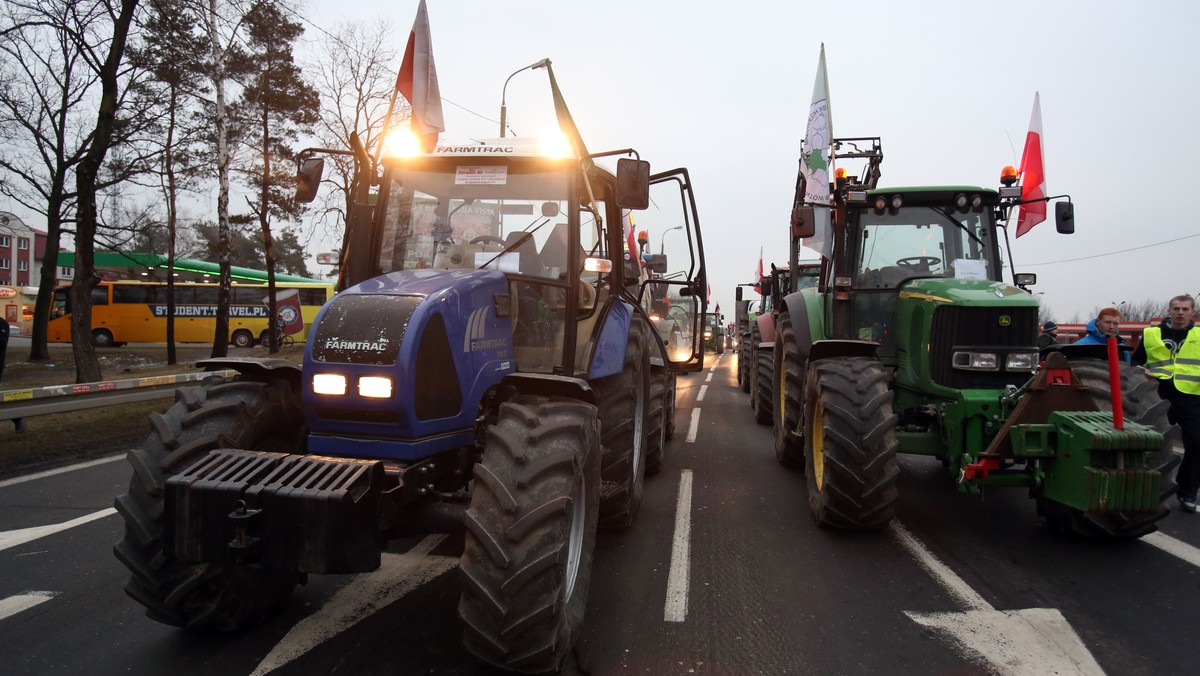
[59, 61]
[355, 75]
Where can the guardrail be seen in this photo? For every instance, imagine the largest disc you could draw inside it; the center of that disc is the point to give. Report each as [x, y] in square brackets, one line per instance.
[36, 401]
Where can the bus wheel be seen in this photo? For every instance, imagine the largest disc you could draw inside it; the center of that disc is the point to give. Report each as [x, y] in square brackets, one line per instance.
[243, 338]
[102, 338]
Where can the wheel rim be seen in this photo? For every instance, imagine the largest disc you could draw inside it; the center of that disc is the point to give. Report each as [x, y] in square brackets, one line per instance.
[578, 530]
[818, 446]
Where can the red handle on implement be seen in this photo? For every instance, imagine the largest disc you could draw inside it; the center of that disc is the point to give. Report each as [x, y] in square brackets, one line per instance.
[1114, 384]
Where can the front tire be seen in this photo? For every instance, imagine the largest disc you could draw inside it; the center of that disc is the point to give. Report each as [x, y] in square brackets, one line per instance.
[103, 338]
[624, 403]
[788, 377]
[243, 338]
[531, 531]
[239, 414]
[1141, 404]
[850, 443]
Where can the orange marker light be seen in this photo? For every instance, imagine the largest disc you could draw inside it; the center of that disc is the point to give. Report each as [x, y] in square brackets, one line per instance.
[1008, 175]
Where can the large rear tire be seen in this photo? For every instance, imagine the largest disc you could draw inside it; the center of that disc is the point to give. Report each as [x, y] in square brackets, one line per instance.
[763, 360]
[624, 403]
[1141, 404]
[850, 443]
[531, 531]
[240, 414]
[788, 377]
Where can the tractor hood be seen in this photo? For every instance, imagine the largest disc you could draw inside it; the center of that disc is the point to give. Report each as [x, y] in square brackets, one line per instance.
[410, 354]
[975, 292]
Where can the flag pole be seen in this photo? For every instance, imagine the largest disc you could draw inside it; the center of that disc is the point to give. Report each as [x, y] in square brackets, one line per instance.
[387, 121]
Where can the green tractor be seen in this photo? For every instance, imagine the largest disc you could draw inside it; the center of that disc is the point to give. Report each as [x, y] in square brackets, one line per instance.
[714, 333]
[914, 343]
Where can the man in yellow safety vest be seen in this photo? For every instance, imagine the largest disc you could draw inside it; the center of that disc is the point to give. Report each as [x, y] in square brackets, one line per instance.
[1170, 352]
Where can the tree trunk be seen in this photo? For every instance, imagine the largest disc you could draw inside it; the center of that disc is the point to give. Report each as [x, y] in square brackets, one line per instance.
[220, 346]
[87, 368]
[265, 223]
[169, 162]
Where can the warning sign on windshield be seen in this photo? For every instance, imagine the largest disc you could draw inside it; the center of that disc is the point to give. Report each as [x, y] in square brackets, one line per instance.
[481, 176]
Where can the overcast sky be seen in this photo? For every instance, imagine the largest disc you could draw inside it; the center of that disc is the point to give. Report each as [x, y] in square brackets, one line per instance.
[723, 88]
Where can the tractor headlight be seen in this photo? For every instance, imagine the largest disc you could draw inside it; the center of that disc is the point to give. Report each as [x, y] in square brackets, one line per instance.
[707, 334]
[1021, 361]
[329, 383]
[376, 387]
[975, 361]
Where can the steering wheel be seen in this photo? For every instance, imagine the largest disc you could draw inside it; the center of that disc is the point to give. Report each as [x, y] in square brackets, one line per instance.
[487, 239]
[919, 261]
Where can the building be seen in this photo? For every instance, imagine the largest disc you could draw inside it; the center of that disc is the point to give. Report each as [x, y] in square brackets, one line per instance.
[21, 251]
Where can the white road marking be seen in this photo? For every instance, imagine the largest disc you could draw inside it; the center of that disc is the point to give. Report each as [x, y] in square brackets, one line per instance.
[15, 604]
[1025, 641]
[361, 596]
[60, 470]
[677, 581]
[1174, 547]
[700, 395]
[708, 378]
[14, 538]
[694, 426]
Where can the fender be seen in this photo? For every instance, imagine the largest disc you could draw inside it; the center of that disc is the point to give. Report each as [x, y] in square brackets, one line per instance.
[546, 383]
[804, 308]
[608, 355]
[264, 370]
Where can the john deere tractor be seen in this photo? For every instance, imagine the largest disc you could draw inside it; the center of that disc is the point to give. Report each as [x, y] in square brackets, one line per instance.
[914, 343]
[487, 366]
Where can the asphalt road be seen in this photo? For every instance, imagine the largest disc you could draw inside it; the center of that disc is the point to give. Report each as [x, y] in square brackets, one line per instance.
[723, 573]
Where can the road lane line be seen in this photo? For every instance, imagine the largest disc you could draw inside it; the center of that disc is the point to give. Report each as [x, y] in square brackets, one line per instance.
[61, 470]
[15, 604]
[694, 426]
[1174, 547]
[362, 596]
[13, 538]
[700, 395]
[677, 581]
[1017, 642]
[708, 378]
[953, 584]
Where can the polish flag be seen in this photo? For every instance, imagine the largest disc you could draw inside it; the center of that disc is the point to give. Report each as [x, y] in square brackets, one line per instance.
[418, 83]
[1033, 177]
[758, 277]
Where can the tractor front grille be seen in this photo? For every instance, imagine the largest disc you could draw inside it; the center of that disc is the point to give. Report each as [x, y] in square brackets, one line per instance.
[989, 329]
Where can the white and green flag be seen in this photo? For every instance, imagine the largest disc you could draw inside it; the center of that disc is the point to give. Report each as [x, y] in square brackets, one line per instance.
[816, 159]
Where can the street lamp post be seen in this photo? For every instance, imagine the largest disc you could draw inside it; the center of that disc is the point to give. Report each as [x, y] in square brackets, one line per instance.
[662, 242]
[503, 91]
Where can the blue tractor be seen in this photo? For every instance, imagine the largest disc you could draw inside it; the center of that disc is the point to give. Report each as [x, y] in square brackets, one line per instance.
[489, 365]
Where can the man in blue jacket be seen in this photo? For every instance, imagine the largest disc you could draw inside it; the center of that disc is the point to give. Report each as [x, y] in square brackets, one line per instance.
[1106, 324]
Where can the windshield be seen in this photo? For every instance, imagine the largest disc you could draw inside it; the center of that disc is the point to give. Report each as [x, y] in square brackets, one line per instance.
[478, 212]
[924, 241]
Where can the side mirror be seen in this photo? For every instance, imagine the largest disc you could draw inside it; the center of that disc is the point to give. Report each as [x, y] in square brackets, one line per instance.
[656, 262]
[1064, 217]
[308, 177]
[766, 285]
[737, 294]
[549, 209]
[804, 222]
[633, 183]
[329, 258]
[1024, 279]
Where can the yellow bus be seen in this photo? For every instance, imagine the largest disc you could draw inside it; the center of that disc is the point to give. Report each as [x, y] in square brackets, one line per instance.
[136, 312]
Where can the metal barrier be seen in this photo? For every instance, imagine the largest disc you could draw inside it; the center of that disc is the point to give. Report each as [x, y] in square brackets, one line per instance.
[36, 401]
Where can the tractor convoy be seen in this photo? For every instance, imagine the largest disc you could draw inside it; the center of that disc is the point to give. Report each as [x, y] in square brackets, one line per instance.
[912, 342]
[489, 366]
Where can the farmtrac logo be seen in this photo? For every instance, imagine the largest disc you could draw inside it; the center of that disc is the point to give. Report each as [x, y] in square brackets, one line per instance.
[475, 339]
[356, 345]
